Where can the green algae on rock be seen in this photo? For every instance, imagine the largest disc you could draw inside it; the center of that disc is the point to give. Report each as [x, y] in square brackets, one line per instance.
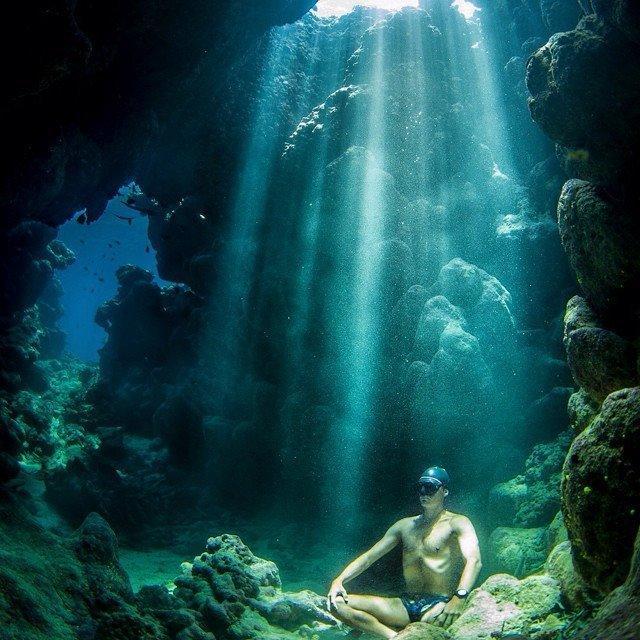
[602, 522]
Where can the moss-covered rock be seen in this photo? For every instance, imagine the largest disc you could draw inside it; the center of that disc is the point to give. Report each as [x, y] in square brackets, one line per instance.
[575, 592]
[504, 604]
[518, 552]
[57, 588]
[582, 409]
[598, 238]
[601, 489]
[618, 617]
[532, 498]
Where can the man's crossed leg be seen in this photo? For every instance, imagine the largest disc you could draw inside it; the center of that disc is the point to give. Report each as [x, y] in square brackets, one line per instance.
[378, 615]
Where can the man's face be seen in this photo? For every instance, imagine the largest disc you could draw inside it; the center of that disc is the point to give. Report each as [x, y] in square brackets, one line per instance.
[431, 493]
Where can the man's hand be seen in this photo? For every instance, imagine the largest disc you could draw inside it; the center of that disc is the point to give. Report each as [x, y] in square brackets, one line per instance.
[450, 612]
[336, 591]
[430, 614]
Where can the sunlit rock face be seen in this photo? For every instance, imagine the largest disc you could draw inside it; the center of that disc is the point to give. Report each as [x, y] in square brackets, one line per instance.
[358, 294]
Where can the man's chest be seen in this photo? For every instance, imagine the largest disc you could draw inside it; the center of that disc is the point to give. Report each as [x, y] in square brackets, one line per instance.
[429, 542]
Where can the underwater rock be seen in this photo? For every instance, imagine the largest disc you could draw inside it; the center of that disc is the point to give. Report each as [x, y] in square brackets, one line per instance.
[578, 315]
[182, 238]
[560, 16]
[600, 240]
[463, 284]
[65, 588]
[557, 532]
[532, 499]
[575, 592]
[618, 617]
[600, 489]
[457, 382]
[30, 306]
[517, 551]
[582, 409]
[238, 596]
[601, 361]
[436, 315]
[623, 14]
[584, 95]
[486, 304]
[423, 631]
[503, 604]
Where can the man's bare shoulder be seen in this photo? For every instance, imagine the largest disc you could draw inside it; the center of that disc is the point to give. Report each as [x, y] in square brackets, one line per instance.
[404, 524]
[459, 521]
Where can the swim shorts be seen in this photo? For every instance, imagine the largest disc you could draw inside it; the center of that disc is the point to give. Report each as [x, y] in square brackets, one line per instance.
[417, 603]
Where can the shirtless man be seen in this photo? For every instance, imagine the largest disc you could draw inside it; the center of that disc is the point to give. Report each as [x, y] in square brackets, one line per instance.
[435, 544]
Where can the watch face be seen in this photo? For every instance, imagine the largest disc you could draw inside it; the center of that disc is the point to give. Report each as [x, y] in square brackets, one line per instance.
[462, 593]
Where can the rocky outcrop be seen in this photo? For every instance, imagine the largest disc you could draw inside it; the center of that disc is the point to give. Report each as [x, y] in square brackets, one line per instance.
[504, 604]
[532, 498]
[584, 86]
[54, 586]
[584, 95]
[600, 239]
[618, 618]
[600, 490]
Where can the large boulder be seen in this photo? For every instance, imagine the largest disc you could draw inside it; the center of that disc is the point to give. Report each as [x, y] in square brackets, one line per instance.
[503, 604]
[601, 361]
[601, 489]
[58, 588]
[575, 591]
[518, 552]
[600, 239]
[618, 617]
[585, 95]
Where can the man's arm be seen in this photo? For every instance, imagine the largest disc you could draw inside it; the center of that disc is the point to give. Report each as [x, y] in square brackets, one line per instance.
[363, 562]
[468, 541]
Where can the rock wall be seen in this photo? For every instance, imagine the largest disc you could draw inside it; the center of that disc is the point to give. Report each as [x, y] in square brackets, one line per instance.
[584, 85]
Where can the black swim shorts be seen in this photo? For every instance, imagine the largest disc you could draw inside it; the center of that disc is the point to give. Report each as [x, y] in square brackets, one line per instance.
[417, 603]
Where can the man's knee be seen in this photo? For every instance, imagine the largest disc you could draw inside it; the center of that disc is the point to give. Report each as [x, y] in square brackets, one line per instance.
[342, 610]
[348, 614]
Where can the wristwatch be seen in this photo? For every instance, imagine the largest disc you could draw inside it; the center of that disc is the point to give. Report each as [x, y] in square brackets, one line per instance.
[462, 593]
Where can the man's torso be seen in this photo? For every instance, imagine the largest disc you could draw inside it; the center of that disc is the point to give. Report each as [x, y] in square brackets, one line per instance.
[431, 558]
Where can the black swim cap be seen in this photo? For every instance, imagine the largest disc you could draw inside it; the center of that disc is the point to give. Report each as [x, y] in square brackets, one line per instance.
[437, 474]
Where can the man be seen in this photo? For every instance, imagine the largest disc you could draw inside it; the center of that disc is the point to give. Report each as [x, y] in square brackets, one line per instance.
[435, 544]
